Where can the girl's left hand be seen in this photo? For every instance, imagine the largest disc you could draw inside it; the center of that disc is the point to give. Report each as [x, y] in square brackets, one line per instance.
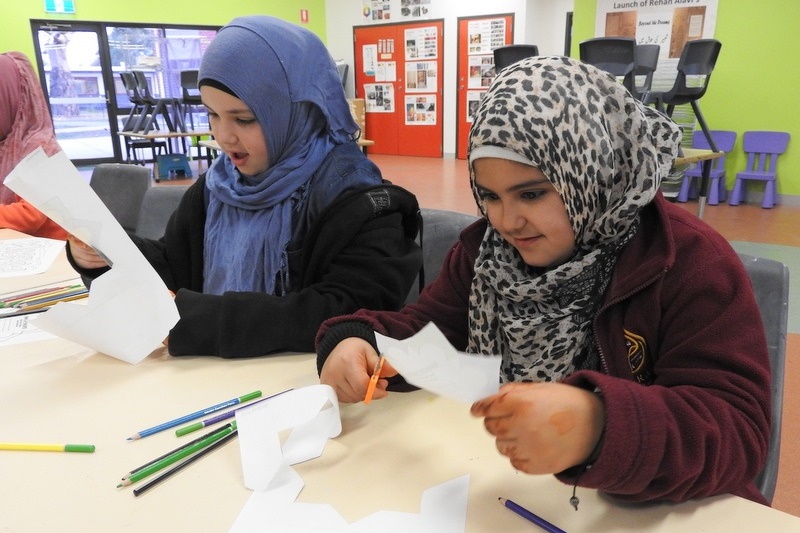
[543, 428]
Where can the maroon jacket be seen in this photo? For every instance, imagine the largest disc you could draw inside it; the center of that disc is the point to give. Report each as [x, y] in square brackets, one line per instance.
[680, 317]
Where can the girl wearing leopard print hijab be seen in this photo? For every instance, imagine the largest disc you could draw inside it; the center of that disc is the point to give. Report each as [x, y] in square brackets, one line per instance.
[625, 323]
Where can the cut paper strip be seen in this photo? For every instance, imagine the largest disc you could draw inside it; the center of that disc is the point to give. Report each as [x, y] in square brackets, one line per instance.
[129, 311]
[443, 509]
[313, 415]
[427, 360]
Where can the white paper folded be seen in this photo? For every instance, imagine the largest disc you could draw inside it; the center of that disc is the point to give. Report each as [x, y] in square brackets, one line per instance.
[129, 311]
[427, 360]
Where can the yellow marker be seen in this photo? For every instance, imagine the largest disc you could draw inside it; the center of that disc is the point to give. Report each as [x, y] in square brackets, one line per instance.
[373, 381]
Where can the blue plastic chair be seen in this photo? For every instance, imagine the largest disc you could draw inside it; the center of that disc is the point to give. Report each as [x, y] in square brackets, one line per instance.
[716, 189]
[762, 149]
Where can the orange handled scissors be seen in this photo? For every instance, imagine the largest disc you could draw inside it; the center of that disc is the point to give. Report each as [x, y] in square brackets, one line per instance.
[373, 381]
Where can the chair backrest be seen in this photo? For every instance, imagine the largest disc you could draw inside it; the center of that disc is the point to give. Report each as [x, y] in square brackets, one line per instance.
[142, 86]
[698, 59]
[122, 187]
[615, 55]
[439, 231]
[763, 148]
[189, 86]
[157, 206]
[645, 64]
[129, 82]
[342, 69]
[510, 54]
[771, 287]
[725, 140]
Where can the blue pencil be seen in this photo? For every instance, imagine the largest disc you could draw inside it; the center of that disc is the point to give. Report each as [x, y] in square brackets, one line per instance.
[180, 432]
[195, 415]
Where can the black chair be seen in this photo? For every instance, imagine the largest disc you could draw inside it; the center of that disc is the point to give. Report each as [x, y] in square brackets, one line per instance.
[160, 106]
[140, 110]
[157, 207]
[770, 280]
[510, 54]
[615, 55]
[645, 64]
[191, 93]
[439, 231]
[697, 61]
[121, 188]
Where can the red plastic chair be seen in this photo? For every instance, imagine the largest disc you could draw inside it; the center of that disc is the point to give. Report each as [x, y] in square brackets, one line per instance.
[762, 149]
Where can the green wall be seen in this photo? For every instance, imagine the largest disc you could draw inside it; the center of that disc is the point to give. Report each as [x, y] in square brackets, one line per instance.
[756, 82]
[16, 34]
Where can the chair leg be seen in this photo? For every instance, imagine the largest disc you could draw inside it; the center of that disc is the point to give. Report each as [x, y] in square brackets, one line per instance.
[704, 126]
[713, 192]
[683, 194]
[769, 195]
[722, 191]
[737, 194]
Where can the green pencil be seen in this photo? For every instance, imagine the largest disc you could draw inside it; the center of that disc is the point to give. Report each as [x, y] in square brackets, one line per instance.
[179, 454]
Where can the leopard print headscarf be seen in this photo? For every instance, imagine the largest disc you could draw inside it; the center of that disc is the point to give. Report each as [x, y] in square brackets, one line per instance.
[605, 153]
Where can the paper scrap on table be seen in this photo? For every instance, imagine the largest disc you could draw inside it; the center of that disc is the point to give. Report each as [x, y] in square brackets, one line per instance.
[31, 255]
[443, 509]
[427, 360]
[312, 414]
[129, 311]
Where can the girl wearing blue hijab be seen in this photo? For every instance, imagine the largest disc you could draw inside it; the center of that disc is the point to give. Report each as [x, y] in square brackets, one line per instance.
[291, 224]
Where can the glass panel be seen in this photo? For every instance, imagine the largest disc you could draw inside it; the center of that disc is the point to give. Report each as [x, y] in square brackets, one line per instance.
[76, 92]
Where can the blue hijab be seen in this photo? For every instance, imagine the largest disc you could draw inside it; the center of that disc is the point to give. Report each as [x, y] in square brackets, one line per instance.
[286, 76]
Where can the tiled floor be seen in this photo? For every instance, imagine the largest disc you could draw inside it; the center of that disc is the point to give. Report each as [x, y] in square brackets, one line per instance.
[444, 184]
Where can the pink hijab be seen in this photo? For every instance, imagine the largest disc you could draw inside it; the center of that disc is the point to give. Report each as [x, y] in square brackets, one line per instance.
[25, 122]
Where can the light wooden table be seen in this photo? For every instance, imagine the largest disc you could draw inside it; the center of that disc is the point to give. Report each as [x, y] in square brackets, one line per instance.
[389, 452]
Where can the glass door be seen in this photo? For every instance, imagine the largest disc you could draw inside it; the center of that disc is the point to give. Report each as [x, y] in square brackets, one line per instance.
[73, 62]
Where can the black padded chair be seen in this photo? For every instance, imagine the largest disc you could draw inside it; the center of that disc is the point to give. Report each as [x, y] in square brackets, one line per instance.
[771, 287]
[697, 61]
[190, 94]
[645, 64]
[615, 55]
[510, 54]
[439, 231]
[157, 207]
[121, 188]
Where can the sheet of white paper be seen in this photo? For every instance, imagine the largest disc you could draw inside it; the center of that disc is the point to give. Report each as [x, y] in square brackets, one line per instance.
[427, 360]
[21, 329]
[129, 311]
[443, 509]
[33, 255]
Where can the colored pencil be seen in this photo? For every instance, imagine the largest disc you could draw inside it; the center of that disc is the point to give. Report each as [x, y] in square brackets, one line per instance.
[50, 295]
[10, 300]
[193, 416]
[177, 455]
[528, 515]
[188, 444]
[180, 432]
[66, 297]
[82, 448]
[172, 471]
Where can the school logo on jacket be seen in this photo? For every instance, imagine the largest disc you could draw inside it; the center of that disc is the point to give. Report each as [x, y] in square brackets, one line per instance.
[638, 357]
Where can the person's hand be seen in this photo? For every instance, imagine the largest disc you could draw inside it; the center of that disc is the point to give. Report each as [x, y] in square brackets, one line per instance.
[348, 370]
[543, 428]
[84, 255]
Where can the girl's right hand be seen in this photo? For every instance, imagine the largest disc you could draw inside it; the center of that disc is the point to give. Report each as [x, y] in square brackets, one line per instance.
[348, 370]
[84, 255]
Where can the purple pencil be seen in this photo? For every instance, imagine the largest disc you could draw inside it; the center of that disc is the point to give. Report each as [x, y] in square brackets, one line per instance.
[219, 418]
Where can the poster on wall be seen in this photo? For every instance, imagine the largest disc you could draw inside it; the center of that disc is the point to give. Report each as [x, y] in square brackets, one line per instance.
[421, 110]
[669, 24]
[415, 9]
[376, 10]
[421, 43]
[421, 76]
[473, 101]
[369, 58]
[485, 35]
[380, 97]
[481, 71]
[386, 71]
